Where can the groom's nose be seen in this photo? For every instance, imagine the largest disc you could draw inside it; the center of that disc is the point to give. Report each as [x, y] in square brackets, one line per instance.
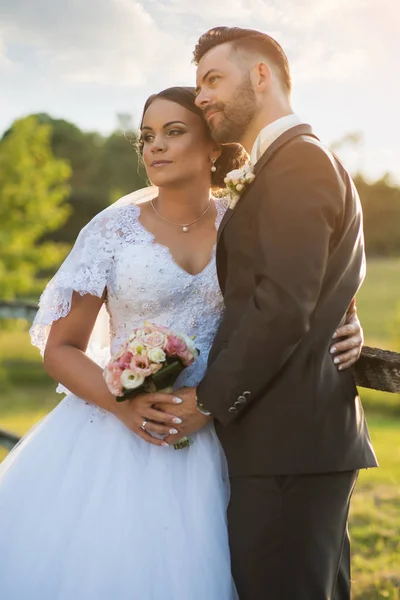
[202, 100]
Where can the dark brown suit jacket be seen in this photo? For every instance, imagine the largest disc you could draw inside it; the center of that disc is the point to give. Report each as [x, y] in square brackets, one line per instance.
[290, 258]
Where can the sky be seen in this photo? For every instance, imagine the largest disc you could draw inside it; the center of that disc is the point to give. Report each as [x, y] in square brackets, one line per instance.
[86, 61]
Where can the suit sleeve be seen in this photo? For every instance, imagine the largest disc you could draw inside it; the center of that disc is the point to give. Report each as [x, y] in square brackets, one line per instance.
[299, 201]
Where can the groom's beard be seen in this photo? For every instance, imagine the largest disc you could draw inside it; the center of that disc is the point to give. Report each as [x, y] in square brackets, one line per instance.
[235, 115]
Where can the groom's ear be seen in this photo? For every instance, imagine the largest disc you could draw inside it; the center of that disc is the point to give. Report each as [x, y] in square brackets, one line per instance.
[261, 76]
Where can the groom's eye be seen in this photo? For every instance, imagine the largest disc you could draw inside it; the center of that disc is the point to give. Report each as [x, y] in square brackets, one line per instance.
[213, 79]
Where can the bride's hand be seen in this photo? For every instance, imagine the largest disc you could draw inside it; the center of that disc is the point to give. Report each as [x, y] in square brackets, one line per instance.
[139, 415]
[347, 351]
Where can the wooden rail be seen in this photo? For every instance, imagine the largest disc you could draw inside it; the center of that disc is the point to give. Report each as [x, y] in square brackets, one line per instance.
[378, 369]
[13, 309]
[8, 439]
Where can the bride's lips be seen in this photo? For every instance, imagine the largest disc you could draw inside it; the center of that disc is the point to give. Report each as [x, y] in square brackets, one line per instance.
[160, 163]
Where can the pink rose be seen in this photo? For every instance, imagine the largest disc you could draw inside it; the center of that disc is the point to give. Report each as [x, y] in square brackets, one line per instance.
[124, 360]
[113, 366]
[113, 381]
[187, 358]
[141, 365]
[155, 339]
[175, 346]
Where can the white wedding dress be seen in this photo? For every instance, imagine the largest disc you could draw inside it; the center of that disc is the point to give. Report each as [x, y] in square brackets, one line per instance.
[90, 511]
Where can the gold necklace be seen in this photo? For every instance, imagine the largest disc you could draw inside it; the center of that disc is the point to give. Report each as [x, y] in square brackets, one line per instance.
[185, 226]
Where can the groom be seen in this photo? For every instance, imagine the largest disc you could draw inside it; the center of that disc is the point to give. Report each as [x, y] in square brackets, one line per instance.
[290, 259]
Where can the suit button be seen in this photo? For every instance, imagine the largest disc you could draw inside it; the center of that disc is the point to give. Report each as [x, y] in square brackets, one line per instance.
[241, 400]
[232, 409]
[246, 393]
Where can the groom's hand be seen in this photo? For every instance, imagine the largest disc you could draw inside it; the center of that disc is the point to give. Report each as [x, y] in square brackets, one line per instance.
[187, 411]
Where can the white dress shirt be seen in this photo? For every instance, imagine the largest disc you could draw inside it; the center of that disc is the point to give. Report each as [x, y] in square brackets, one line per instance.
[270, 133]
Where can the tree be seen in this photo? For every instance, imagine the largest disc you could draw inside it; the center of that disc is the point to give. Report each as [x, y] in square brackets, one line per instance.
[380, 200]
[82, 150]
[103, 169]
[33, 189]
[119, 169]
[381, 207]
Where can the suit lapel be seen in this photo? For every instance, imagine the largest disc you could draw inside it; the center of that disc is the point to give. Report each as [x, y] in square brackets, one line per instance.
[283, 139]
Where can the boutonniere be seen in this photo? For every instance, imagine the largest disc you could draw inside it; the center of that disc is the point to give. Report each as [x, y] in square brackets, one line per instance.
[237, 181]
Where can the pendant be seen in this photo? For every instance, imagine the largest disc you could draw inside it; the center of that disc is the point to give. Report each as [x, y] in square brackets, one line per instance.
[185, 229]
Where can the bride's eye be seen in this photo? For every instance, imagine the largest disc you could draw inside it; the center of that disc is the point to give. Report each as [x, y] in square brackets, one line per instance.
[174, 132]
[148, 137]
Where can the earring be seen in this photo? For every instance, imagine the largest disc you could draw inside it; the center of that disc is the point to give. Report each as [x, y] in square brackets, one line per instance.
[213, 168]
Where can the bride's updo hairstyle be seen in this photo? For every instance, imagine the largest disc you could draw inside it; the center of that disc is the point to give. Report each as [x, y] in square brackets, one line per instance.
[233, 156]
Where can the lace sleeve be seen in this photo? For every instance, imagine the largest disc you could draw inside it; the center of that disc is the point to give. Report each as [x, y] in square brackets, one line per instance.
[85, 270]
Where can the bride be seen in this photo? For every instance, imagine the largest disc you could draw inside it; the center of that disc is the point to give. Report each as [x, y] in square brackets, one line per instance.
[94, 504]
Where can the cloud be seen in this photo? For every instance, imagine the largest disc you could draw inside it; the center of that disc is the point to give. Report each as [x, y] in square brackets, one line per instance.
[328, 39]
[107, 42]
[317, 62]
[206, 10]
[5, 62]
[87, 60]
[128, 43]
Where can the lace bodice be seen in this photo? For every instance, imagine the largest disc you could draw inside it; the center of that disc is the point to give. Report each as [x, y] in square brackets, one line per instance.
[143, 282]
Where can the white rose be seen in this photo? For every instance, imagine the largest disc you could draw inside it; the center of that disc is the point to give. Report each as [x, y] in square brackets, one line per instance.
[156, 355]
[136, 335]
[131, 380]
[235, 174]
[190, 344]
[233, 201]
[136, 348]
[239, 187]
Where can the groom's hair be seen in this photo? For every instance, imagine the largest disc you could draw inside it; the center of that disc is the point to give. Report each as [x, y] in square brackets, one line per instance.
[246, 40]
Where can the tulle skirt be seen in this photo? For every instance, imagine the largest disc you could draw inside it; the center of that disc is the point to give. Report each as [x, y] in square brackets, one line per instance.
[90, 511]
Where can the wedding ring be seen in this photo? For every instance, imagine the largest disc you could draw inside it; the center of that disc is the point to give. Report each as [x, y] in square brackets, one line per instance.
[143, 426]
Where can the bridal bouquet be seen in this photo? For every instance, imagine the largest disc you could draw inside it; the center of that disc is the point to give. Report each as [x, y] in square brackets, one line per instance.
[150, 360]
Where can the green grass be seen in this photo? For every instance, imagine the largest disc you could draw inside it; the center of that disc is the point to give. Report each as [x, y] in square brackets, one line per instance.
[24, 383]
[27, 394]
[378, 303]
[375, 518]
[20, 423]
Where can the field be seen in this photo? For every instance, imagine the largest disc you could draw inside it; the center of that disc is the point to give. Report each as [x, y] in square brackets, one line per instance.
[379, 303]
[26, 394]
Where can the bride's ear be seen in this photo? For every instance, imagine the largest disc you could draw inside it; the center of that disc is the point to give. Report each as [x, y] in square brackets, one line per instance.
[216, 153]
